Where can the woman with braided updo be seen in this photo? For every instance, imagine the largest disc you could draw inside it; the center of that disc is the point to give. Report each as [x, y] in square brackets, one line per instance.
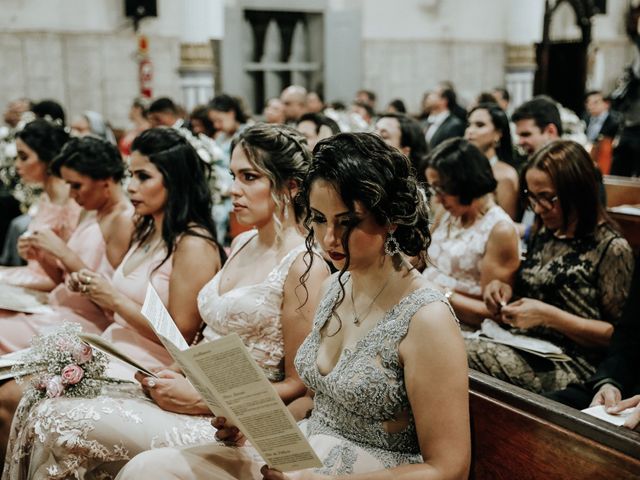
[256, 295]
[385, 357]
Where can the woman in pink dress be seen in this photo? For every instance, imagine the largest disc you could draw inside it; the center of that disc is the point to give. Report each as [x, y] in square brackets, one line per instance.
[93, 169]
[37, 144]
[173, 247]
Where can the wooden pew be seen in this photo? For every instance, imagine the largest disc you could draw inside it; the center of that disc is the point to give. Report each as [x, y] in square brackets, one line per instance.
[624, 191]
[520, 435]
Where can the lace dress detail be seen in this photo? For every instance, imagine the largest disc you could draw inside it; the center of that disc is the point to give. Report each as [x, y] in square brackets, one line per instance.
[94, 438]
[588, 277]
[352, 402]
[455, 252]
[251, 311]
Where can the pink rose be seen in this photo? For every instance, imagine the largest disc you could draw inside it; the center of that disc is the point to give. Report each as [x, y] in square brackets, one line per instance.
[55, 387]
[82, 353]
[72, 374]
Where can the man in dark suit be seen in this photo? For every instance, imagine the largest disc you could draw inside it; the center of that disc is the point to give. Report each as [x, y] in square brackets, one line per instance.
[601, 122]
[618, 375]
[441, 123]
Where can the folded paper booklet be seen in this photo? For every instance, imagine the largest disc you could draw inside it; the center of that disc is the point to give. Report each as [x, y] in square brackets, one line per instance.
[599, 412]
[8, 361]
[235, 387]
[492, 332]
[96, 341]
[20, 299]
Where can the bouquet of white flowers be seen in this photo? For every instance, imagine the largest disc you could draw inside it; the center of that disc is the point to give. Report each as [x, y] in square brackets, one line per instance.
[60, 364]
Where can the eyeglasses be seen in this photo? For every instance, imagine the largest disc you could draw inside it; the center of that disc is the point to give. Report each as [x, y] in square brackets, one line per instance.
[545, 202]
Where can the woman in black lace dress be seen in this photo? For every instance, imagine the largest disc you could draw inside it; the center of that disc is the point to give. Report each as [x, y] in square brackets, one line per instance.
[572, 286]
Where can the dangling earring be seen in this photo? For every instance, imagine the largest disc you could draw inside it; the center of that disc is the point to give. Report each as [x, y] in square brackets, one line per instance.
[286, 208]
[391, 245]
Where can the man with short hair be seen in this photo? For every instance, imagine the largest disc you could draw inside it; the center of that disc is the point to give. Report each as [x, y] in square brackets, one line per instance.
[599, 119]
[441, 123]
[502, 98]
[537, 123]
[366, 96]
[14, 111]
[164, 113]
[294, 99]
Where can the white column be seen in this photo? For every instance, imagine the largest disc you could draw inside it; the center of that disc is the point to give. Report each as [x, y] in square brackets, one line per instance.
[525, 20]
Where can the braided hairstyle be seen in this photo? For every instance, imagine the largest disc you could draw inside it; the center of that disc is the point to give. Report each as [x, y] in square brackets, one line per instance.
[90, 156]
[281, 154]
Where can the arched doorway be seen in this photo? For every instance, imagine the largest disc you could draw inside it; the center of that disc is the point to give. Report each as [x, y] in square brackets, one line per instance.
[562, 54]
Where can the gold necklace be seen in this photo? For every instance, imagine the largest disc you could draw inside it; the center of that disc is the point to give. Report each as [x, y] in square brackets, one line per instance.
[359, 318]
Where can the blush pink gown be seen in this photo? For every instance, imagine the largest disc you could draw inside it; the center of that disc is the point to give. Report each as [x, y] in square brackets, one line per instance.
[17, 329]
[134, 285]
[62, 219]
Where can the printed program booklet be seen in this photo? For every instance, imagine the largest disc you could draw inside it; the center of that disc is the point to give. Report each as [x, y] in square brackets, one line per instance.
[235, 387]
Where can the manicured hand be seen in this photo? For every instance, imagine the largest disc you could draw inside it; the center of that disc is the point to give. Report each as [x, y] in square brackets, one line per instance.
[496, 295]
[524, 313]
[47, 241]
[633, 421]
[172, 392]
[228, 433]
[96, 287]
[273, 474]
[608, 395]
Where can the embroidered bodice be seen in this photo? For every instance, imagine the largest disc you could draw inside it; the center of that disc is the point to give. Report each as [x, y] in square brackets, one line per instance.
[455, 252]
[251, 311]
[366, 387]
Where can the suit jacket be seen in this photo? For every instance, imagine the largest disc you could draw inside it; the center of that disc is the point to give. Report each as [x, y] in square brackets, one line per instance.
[622, 364]
[610, 126]
[450, 128]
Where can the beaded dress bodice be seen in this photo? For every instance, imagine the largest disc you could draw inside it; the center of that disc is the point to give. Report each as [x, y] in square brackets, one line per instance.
[366, 387]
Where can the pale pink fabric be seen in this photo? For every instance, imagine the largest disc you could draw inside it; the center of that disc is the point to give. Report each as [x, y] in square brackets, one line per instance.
[62, 219]
[134, 285]
[17, 329]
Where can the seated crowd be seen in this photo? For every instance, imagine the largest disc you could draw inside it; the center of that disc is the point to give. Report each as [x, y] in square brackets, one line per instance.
[435, 227]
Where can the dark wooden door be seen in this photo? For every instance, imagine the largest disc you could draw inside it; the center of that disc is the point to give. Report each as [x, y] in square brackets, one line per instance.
[563, 73]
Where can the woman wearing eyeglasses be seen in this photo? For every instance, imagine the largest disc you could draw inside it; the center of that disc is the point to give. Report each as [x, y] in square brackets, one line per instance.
[572, 285]
[474, 241]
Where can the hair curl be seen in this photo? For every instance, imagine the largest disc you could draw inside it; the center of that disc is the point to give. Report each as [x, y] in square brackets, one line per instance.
[280, 153]
[90, 156]
[363, 168]
[44, 137]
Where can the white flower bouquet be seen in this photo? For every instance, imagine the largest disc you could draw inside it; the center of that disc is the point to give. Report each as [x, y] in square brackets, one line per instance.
[60, 364]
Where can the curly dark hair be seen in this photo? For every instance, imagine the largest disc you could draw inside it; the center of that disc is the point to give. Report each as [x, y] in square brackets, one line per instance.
[188, 207]
[90, 156]
[44, 137]
[363, 168]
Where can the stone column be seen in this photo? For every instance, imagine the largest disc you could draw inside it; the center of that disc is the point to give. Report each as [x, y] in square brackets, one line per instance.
[525, 22]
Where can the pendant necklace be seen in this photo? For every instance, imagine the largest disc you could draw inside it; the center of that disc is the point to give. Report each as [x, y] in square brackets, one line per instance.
[357, 319]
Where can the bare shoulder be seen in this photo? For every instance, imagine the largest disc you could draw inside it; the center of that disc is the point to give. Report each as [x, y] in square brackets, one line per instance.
[505, 172]
[196, 248]
[433, 325]
[503, 231]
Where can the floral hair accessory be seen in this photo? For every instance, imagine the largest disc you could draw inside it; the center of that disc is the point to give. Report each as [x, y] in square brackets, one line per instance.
[61, 364]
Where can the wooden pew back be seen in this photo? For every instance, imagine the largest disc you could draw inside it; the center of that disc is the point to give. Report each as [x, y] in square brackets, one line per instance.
[519, 435]
[624, 191]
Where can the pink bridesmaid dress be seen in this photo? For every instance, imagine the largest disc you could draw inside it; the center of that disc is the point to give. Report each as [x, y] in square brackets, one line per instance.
[134, 285]
[62, 219]
[17, 329]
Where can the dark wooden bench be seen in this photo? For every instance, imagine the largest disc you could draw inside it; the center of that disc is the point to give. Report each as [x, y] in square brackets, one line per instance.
[624, 191]
[518, 435]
